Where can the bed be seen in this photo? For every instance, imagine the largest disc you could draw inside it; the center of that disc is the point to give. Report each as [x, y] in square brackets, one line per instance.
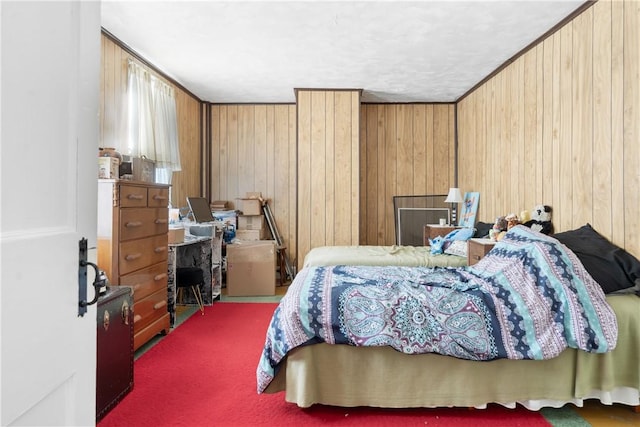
[594, 339]
[396, 255]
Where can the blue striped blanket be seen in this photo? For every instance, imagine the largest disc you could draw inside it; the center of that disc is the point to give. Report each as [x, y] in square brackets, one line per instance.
[528, 298]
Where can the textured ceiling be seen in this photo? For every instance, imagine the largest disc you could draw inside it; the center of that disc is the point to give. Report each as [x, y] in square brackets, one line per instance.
[395, 51]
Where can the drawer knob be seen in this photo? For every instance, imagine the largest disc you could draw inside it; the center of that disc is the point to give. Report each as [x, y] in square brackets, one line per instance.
[160, 276]
[159, 304]
[133, 224]
[137, 318]
[160, 249]
[161, 221]
[134, 197]
[159, 197]
[132, 257]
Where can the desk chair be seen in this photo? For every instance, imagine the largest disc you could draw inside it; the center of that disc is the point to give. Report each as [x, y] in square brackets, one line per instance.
[190, 277]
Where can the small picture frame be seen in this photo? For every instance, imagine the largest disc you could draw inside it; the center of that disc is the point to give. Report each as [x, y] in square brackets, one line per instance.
[469, 209]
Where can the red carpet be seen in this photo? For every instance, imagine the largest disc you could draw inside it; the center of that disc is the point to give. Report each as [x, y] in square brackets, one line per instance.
[204, 374]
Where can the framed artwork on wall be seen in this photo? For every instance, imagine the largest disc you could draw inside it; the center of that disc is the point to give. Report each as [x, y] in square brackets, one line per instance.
[469, 209]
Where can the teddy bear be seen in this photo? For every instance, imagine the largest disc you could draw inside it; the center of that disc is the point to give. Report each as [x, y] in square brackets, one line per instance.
[541, 219]
[512, 220]
[499, 228]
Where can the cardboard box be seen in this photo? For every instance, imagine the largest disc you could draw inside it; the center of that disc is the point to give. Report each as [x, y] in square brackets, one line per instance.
[250, 222]
[219, 205]
[250, 206]
[251, 268]
[108, 168]
[250, 235]
[176, 235]
[253, 195]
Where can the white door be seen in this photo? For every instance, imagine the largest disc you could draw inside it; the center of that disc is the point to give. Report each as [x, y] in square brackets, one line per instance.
[48, 178]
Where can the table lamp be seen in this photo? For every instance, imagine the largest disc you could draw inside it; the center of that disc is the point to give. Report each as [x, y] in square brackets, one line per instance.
[454, 197]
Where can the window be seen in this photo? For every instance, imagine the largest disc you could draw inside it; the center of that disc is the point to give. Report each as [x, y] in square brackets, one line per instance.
[152, 122]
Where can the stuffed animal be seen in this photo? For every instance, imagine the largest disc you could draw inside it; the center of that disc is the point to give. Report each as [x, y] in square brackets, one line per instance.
[436, 245]
[541, 219]
[512, 220]
[499, 228]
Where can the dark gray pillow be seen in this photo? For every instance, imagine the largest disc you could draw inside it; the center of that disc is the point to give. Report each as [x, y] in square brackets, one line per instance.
[611, 266]
[482, 229]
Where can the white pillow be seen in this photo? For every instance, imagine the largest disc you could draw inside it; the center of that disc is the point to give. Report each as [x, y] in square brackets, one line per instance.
[457, 247]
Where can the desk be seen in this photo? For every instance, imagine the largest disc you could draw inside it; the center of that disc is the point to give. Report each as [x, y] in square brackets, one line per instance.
[196, 251]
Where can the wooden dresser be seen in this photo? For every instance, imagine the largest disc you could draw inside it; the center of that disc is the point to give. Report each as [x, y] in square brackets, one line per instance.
[133, 223]
[477, 249]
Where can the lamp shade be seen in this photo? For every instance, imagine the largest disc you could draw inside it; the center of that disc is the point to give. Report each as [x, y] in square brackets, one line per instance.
[454, 196]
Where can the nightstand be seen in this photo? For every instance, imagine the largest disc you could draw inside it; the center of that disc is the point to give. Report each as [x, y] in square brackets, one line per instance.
[477, 249]
[431, 231]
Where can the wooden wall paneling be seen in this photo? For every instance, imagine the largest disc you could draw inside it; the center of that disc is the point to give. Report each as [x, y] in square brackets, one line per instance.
[371, 191]
[450, 142]
[355, 101]
[304, 187]
[582, 122]
[390, 170]
[293, 189]
[259, 151]
[382, 207]
[510, 139]
[484, 154]
[441, 153]
[364, 217]
[416, 145]
[546, 116]
[617, 122]
[328, 168]
[564, 211]
[430, 161]
[632, 126]
[246, 147]
[232, 140]
[407, 154]
[526, 197]
[321, 208]
[281, 171]
[418, 148]
[602, 126]
[188, 182]
[217, 152]
[556, 128]
[253, 149]
[571, 114]
[332, 183]
[342, 167]
[405, 143]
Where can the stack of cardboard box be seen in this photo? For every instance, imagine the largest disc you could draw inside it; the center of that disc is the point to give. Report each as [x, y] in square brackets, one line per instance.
[251, 224]
[251, 260]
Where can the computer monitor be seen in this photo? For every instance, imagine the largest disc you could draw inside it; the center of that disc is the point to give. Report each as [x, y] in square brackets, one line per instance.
[200, 209]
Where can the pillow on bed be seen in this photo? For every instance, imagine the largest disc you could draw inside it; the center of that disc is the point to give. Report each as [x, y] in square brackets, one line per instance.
[611, 266]
[457, 247]
[482, 229]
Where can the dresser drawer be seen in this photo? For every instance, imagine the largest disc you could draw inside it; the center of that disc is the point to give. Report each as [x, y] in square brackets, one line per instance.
[146, 281]
[149, 309]
[158, 197]
[143, 222]
[477, 249]
[137, 254]
[133, 197]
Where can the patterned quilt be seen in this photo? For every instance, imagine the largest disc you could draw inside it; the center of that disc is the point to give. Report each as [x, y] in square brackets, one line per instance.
[528, 298]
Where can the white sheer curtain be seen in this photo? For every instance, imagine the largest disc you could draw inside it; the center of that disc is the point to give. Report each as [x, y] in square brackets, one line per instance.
[153, 124]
